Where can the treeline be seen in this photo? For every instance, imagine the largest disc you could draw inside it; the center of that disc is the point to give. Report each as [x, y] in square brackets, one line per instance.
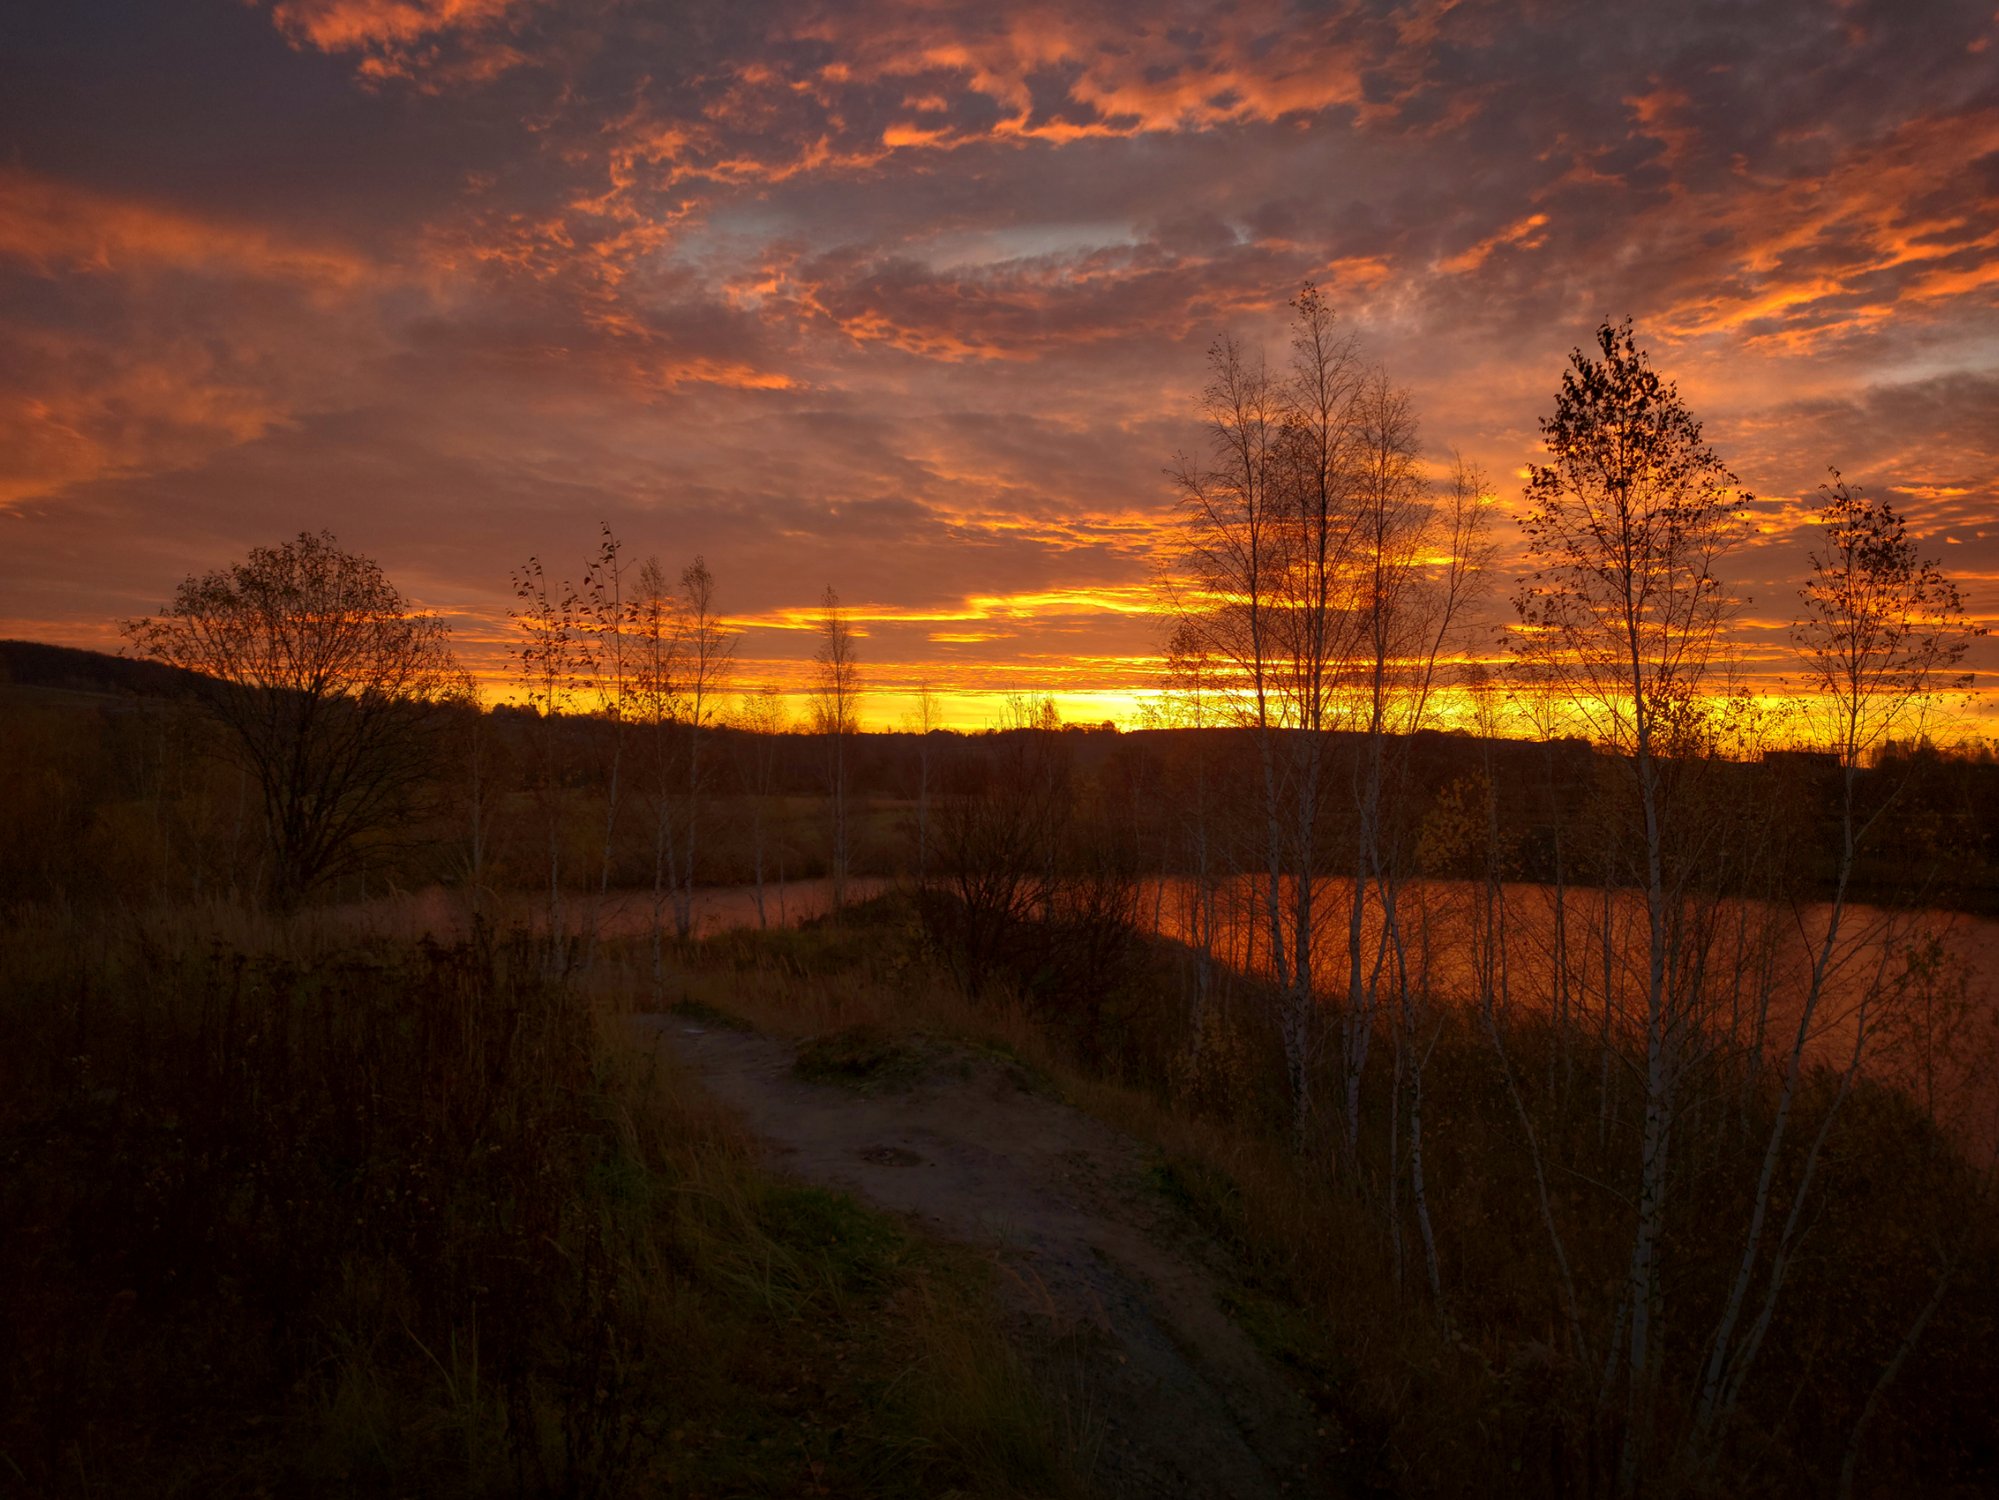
[122, 789]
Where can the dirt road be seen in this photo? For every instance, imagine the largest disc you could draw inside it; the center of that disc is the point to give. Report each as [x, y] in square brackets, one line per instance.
[1184, 1403]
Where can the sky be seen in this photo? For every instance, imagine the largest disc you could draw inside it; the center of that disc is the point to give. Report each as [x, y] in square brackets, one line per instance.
[912, 298]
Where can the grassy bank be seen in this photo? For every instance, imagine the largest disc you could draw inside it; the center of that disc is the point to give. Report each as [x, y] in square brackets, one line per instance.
[285, 1217]
[1473, 1390]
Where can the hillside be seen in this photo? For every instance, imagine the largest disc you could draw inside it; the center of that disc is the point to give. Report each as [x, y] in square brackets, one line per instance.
[36, 665]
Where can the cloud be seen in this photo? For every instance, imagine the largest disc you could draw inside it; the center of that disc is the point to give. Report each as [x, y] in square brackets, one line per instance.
[435, 43]
[57, 229]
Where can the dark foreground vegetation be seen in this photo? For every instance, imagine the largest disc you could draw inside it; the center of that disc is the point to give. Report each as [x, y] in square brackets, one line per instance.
[289, 1219]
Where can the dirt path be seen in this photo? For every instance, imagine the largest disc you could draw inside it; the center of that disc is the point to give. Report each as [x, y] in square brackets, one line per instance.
[1184, 1404]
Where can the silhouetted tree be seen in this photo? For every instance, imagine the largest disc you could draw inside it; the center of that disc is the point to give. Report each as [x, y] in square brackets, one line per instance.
[1319, 577]
[1882, 631]
[1623, 613]
[762, 720]
[658, 703]
[705, 650]
[835, 696]
[605, 619]
[554, 659]
[328, 683]
[1267, 553]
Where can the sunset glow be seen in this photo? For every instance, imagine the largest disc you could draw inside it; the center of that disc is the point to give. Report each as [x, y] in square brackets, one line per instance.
[911, 298]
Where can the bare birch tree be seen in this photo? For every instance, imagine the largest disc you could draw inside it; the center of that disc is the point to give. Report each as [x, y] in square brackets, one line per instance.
[1309, 578]
[552, 657]
[1319, 489]
[762, 720]
[658, 705]
[1881, 633]
[1626, 523]
[706, 650]
[1261, 544]
[922, 723]
[835, 699]
[604, 618]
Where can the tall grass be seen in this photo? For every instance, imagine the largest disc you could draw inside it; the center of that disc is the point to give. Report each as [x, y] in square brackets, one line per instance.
[1481, 1392]
[292, 1217]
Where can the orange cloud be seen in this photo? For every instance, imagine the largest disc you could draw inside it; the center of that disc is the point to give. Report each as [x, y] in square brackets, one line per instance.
[1902, 234]
[90, 415]
[84, 404]
[58, 228]
[350, 25]
[919, 288]
[1126, 76]
[1136, 599]
[1529, 233]
[409, 39]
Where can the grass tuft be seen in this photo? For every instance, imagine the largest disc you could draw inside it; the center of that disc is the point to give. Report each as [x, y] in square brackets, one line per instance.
[865, 1058]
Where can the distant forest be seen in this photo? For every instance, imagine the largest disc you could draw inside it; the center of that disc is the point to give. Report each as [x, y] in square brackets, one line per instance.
[119, 793]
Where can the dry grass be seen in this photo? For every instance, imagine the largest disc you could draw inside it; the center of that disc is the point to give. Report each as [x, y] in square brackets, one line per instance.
[1443, 1399]
[291, 1217]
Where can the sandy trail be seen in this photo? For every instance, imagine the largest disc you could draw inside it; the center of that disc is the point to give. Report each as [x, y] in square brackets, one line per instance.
[1183, 1402]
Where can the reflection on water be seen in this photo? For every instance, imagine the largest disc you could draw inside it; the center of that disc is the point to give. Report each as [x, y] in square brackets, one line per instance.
[1444, 925]
[1933, 1028]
